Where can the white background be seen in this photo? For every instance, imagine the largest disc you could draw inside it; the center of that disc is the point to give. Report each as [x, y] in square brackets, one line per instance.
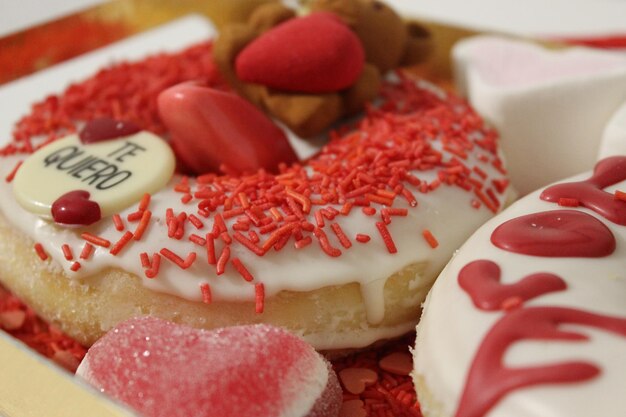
[545, 18]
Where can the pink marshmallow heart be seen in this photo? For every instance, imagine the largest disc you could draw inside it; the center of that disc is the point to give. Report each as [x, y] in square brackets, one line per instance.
[164, 369]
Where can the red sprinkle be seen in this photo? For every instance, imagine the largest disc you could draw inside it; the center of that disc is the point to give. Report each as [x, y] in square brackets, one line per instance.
[384, 232]
[242, 269]
[343, 239]
[96, 240]
[67, 252]
[259, 291]
[620, 195]
[143, 224]
[11, 176]
[362, 238]
[120, 244]
[40, 251]
[432, 241]
[145, 260]
[326, 246]
[87, 251]
[118, 222]
[153, 271]
[222, 260]
[75, 266]
[206, 293]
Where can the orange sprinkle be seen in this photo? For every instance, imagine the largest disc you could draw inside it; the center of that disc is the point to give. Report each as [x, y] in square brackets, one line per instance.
[96, 240]
[120, 244]
[259, 297]
[432, 241]
[87, 251]
[40, 251]
[143, 224]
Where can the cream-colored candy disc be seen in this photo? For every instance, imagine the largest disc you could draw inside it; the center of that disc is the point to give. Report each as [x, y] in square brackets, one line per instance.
[115, 172]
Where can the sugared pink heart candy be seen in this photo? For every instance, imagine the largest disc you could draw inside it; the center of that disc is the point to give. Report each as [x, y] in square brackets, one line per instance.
[164, 369]
[210, 128]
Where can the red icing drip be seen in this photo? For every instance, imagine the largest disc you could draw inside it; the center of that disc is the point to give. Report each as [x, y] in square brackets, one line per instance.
[489, 380]
[559, 233]
[75, 208]
[102, 129]
[590, 192]
[481, 280]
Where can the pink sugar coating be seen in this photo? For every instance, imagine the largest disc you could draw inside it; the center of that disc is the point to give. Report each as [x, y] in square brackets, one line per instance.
[164, 369]
[504, 63]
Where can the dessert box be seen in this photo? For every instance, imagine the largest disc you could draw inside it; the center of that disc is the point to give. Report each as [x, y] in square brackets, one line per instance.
[21, 366]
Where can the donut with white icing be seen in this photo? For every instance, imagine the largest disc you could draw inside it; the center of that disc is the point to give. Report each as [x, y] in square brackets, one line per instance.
[340, 248]
[529, 317]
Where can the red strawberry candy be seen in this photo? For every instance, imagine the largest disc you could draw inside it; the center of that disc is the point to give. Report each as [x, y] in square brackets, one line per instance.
[313, 54]
[169, 370]
[210, 128]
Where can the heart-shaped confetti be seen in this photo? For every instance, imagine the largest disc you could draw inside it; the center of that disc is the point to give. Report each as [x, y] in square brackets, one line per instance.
[312, 54]
[164, 369]
[356, 379]
[212, 129]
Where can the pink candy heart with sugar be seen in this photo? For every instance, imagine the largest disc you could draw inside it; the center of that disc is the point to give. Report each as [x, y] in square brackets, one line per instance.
[164, 369]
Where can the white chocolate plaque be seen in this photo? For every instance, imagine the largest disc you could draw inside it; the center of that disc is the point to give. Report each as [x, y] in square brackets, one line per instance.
[116, 172]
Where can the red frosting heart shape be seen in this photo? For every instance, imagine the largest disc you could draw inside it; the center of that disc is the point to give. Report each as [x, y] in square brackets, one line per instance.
[75, 208]
[558, 233]
[312, 54]
[164, 369]
[212, 129]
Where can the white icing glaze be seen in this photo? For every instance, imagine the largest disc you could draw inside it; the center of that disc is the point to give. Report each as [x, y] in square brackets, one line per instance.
[614, 135]
[542, 103]
[451, 328]
[446, 212]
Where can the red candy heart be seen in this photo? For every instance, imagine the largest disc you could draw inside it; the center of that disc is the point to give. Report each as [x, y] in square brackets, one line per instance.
[104, 128]
[75, 208]
[211, 128]
[312, 54]
[557, 233]
[163, 369]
